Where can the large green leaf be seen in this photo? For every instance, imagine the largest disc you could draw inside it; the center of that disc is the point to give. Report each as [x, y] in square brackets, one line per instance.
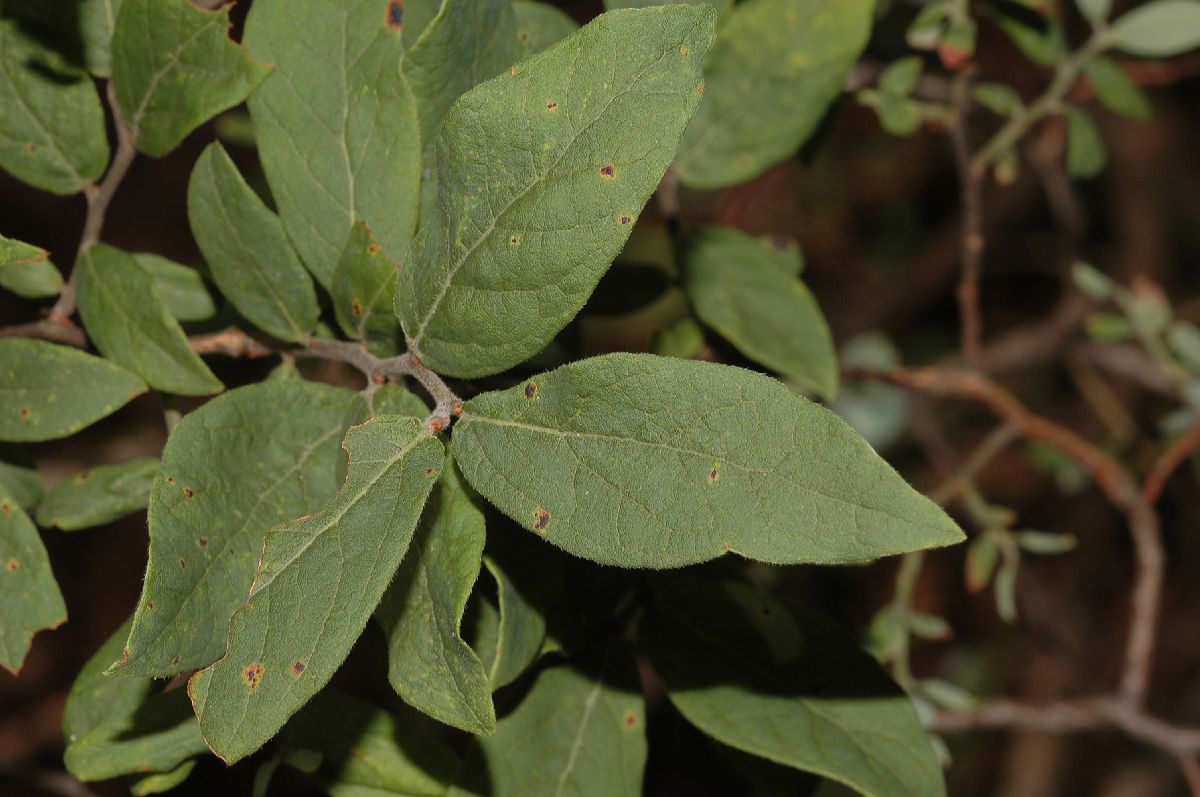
[52, 128]
[542, 174]
[19, 476]
[792, 689]
[1159, 29]
[363, 286]
[175, 67]
[27, 271]
[739, 288]
[98, 496]
[95, 697]
[336, 125]
[29, 596]
[130, 324]
[579, 732]
[540, 25]
[773, 71]
[319, 579]
[429, 664]
[182, 288]
[246, 248]
[250, 459]
[40, 395]
[646, 461]
[367, 752]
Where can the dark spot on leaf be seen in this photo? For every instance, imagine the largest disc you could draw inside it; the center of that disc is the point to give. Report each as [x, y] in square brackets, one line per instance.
[608, 170]
[31, 147]
[150, 605]
[522, 36]
[170, 480]
[429, 472]
[188, 492]
[252, 674]
[183, 564]
[541, 519]
[631, 720]
[514, 240]
[202, 542]
[395, 14]
[5, 507]
[87, 474]
[12, 565]
[531, 389]
[298, 667]
[373, 249]
[625, 218]
[24, 412]
[553, 106]
[356, 308]
[174, 661]
[714, 476]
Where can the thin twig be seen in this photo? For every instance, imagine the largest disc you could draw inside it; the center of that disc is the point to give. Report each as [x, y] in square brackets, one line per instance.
[972, 242]
[1164, 467]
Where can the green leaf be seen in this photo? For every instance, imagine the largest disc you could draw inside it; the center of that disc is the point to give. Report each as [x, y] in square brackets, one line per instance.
[97, 19]
[363, 286]
[52, 130]
[737, 288]
[774, 70]
[1095, 10]
[1041, 39]
[27, 271]
[245, 461]
[174, 68]
[997, 98]
[1159, 29]
[540, 25]
[899, 116]
[645, 461]
[367, 752]
[40, 397]
[129, 322]
[98, 496]
[1085, 149]
[901, 76]
[393, 400]
[95, 697]
[29, 596]
[157, 736]
[1115, 90]
[579, 731]
[543, 172]
[467, 42]
[182, 288]
[159, 782]
[247, 250]
[430, 665]
[336, 125]
[683, 339]
[1093, 282]
[19, 476]
[528, 579]
[283, 646]
[795, 690]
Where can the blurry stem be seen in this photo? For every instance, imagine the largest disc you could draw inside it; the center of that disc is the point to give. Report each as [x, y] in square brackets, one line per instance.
[972, 242]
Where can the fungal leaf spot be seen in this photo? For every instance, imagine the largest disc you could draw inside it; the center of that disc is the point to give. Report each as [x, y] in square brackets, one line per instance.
[202, 542]
[252, 674]
[356, 308]
[395, 14]
[5, 507]
[531, 389]
[630, 721]
[12, 565]
[608, 171]
[298, 667]
[625, 218]
[188, 492]
[541, 520]
[714, 475]
[552, 106]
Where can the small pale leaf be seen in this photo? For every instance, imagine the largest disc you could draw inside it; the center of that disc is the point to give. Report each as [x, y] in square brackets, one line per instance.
[1159, 29]
[98, 496]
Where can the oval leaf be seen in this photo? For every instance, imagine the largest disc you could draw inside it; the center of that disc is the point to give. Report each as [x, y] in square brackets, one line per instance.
[98, 496]
[27, 271]
[29, 596]
[1159, 29]
[363, 286]
[182, 288]
[645, 461]
[230, 471]
[542, 174]
[40, 397]
[129, 322]
[319, 579]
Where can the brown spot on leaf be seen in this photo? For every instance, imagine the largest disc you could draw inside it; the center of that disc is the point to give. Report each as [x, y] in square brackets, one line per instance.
[700, 89]
[252, 674]
[31, 147]
[175, 661]
[522, 37]
[514, 240]
[188, 492]
[395, 15]
[608, 171]
[87, 474]
[183, 564]
[12, 565]
[541, 520]
[552, 106]
[5, 507]
[714, 475]
[150, 605]
[24, 412]
[373, 249]
[630, 721]
[531, 389]
[298, 667]
[625, 218]
[170, 480]
[356, 308]
[202, 542]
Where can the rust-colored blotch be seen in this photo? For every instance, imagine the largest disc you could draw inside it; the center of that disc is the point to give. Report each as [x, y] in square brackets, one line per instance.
[298, 667]
[395, 14]
[252, 674]
[531, 389]
[541, 520]
[608, 171]
[631, 720]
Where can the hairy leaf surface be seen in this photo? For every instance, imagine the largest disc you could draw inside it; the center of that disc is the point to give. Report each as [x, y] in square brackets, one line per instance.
[645, 461]
[98, 496]
[130, 324]
[29, 596]
[319, 579]
[96, 697]
[175, 67]
[771, 74]
[336, 125]
[542, 174]
[363, 286]
[157, 736]
[246, 248]
[52, 129]
[40, 397]
[793, 689]
[252, 458]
